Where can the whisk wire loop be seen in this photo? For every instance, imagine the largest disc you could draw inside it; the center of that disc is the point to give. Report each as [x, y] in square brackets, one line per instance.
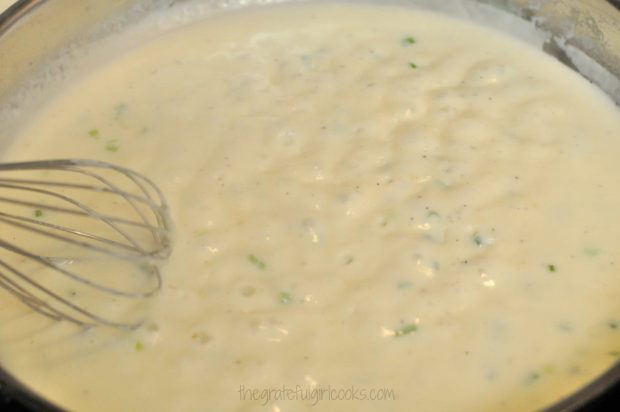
[102, 211]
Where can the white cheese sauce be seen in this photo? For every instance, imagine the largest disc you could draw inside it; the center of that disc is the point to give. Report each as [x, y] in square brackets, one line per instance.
[369, 198]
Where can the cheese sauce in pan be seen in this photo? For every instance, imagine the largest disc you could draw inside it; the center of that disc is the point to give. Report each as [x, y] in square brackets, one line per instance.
[376, 209]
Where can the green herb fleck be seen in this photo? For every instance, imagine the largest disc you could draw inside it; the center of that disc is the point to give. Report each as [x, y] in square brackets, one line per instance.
[285, 298]
[478, 240]
[590, 251]
[408, 40]
[38, 213]
[613, 324]
[413, 65]
[112, 145]
[532, 377]
[139, 346]
[405, 330]
[551, 268]
[94, 133]
[432, 213]
[257, 262]
[349, 259]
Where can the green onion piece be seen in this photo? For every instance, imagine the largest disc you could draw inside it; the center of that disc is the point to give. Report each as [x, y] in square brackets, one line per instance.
[413, 65]
[285, 298]
[257, 262]
[478, 240]
[38, 213]
[408, 40]
[112, 145]
[405, 330]
[551, 268]
[94, 133]
[532, 377]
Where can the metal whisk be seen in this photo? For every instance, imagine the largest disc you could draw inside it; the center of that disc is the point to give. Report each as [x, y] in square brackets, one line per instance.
[74, 232]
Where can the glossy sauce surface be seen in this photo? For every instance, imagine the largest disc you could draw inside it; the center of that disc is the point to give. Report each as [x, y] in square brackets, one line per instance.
[368, 198]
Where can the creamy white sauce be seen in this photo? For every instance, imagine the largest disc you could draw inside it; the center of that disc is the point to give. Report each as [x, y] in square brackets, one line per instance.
[364, 196]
